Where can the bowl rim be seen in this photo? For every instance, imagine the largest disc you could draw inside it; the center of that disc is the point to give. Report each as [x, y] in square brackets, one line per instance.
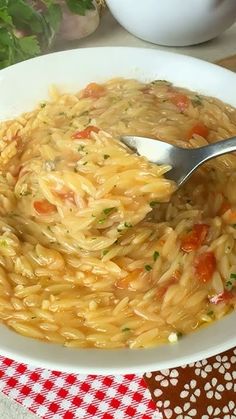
[121, 361]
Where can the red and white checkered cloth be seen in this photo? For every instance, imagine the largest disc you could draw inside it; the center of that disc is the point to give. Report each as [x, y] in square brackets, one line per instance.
[53, 394]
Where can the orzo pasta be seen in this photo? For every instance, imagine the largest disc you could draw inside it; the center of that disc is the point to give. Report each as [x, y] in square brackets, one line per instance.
[97, 249]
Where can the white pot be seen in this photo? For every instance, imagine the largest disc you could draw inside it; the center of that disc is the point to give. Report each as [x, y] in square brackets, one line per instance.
[174, 22]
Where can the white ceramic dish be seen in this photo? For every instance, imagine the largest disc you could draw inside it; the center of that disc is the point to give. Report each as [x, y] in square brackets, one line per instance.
[27, 83]
[174, 22]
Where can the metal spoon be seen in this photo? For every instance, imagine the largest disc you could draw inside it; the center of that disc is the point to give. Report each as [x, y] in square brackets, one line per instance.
[183, 161]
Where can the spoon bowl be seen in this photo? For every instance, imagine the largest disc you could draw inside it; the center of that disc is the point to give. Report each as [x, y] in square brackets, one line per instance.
[182, 161]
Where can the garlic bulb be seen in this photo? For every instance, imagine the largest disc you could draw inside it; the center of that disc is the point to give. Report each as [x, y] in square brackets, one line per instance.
[76, 26]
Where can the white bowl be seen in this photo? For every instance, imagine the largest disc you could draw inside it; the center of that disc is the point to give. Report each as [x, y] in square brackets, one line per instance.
[22, 86]
[174, 22]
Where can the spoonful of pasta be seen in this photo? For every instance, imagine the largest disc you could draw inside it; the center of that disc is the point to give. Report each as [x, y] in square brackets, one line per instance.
[183, 161]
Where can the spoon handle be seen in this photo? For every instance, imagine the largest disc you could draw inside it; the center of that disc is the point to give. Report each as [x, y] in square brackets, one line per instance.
[187, 160]
[217, 149]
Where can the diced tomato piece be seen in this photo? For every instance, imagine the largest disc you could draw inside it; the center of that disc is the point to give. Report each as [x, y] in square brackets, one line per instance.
[175, 277]
[224, 207]
[205, 266]
[230, 217]
[85, 133]
[223, 297]
[195, 238]
[180, 100]
[124, 283]
[199, 129]
[44, 207]
[94, 90]
[66, 195]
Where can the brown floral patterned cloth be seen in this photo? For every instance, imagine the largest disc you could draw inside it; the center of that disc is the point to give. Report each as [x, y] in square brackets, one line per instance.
[202, 390]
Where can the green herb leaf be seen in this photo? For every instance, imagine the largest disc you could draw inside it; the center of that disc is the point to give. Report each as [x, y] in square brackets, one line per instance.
[106, 156]
[53, 17]
[148, 268]
[233, 276]
[126, 329]
[210, 313]
[155, 255]
[104, 252]
[29, 46]
[26, 28]
[80, 7]
[4, 14]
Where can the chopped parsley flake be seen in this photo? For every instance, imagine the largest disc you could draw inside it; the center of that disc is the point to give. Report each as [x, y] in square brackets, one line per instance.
[148, 268]
[3, 243]
[126, 329]
[155, 255]
[102, 220]
[25, 193]
[104, 252]
[210, 313]
[42, 105]
[234, 225]
[229, 285]
[81, 148]
[84, 164]
[153, 203]
[196, 101]
[107, 211]
[154, 82]
[127, 225]
[106, 156]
